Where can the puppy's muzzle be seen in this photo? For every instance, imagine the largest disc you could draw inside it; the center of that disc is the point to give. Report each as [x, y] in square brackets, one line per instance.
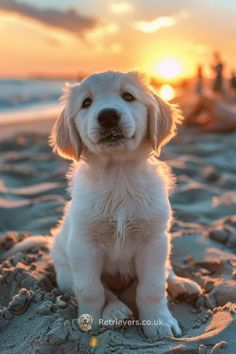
[108, 118]
[110, 130]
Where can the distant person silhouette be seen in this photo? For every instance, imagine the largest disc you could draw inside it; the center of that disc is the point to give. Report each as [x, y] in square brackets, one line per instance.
[199, 83]
[233, 83]
[218, 68]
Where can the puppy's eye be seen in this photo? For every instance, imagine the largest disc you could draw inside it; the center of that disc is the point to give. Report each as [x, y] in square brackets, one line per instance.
[86, 102]
[128, 97]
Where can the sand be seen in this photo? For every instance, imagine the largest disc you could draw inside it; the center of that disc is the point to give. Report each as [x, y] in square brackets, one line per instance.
[36, 318]
[33, 120]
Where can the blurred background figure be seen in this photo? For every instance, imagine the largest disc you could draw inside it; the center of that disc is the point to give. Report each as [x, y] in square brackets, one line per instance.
[218, 68]
[199, 83]
[233, 84]
[214, 110]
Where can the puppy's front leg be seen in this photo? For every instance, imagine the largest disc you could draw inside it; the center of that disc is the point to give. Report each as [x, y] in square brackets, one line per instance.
[151, 291]
[86, 267]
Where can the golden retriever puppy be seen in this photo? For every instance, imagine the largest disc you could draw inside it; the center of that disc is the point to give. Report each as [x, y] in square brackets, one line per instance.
[118, 219]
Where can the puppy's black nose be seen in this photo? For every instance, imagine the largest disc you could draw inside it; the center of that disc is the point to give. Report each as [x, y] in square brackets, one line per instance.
[108, 118]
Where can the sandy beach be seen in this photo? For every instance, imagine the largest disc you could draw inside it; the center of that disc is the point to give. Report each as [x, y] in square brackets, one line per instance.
[32, 121]
[36, 318]
[107, 70]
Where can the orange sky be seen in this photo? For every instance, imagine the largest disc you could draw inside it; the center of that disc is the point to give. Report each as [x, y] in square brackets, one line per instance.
[165, 40]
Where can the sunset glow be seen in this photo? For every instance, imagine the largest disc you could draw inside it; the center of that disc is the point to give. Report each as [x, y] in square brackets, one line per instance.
[169, 69]
[74, 38]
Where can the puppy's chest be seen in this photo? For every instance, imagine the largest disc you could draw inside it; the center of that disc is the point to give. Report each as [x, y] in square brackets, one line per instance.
[120, 243]
[120, 237]
[122, 200]
[123, 212]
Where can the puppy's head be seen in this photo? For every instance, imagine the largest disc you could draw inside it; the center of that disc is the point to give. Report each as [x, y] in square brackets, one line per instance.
[112, 113]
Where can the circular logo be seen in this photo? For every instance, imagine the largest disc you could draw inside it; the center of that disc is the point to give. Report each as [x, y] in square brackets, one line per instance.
[85, 322]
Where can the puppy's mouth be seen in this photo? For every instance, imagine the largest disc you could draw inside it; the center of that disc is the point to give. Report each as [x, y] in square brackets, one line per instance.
[111, 137]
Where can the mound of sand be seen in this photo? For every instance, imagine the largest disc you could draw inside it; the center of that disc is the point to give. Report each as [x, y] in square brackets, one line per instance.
[36, 318]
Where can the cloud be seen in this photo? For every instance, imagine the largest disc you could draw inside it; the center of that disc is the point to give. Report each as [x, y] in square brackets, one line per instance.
[159, 22]
[155, 25]
[69, 20]
[121, 7]
[101, 31]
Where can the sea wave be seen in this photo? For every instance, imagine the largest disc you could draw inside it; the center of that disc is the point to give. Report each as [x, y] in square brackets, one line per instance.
[22, 93]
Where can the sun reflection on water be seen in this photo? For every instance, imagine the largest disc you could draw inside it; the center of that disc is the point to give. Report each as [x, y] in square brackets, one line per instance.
[167, 92]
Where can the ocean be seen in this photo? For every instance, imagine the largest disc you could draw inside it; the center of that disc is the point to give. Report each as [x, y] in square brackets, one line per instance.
[29, 97]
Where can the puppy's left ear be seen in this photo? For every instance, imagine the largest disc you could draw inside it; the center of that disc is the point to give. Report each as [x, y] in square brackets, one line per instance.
[163, 118]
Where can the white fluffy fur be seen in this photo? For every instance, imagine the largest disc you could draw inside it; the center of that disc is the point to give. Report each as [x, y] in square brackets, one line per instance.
[118, 219]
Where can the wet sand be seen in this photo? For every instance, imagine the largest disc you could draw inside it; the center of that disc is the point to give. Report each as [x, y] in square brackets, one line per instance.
[36, 318]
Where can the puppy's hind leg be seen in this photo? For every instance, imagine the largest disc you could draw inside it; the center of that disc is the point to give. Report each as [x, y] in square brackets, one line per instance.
[180, 286]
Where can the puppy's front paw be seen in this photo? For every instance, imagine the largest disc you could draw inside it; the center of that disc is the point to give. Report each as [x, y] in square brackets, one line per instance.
[158, 322]
[162, 326]
[116, 310]
[179, 286]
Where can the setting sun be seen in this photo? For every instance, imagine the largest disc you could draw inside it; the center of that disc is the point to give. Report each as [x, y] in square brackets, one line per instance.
[168, 68]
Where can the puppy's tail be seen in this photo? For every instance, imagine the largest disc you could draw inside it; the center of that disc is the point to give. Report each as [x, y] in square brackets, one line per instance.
[27, 244]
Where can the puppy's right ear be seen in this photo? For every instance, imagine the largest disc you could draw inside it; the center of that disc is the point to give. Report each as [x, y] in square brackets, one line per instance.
[65, 138]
